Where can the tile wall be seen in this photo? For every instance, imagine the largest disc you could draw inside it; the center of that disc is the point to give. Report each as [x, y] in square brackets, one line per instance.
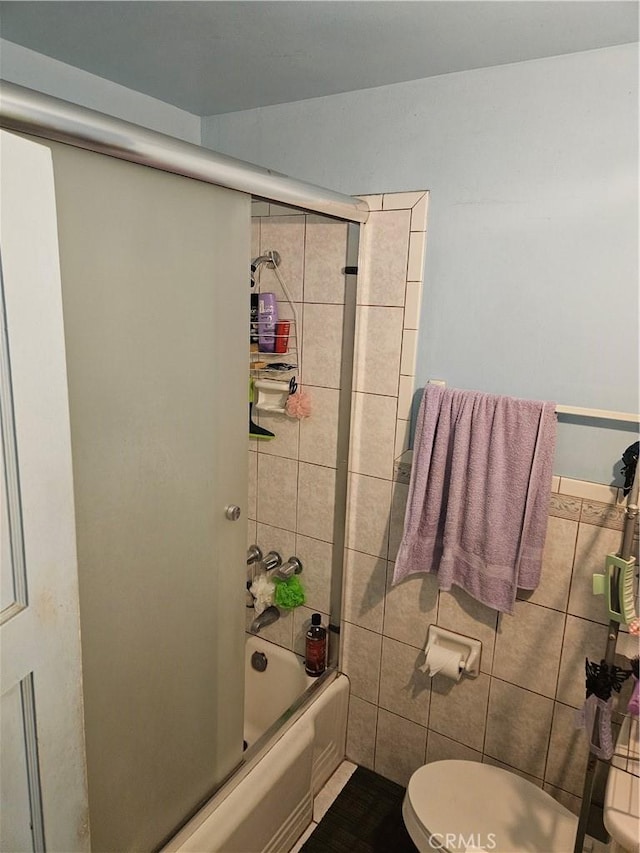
[519, 713]
[292, 477]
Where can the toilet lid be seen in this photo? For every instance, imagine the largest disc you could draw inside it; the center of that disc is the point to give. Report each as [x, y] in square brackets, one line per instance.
[465, 805]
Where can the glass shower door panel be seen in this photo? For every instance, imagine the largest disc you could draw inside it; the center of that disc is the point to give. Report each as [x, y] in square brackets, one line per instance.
[155, 293]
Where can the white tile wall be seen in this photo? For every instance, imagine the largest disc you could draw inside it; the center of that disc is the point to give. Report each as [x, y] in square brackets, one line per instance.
[373, 435]
[385, 247]
[378, 349]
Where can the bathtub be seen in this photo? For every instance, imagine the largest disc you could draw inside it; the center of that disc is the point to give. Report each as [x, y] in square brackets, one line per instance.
[295, 729]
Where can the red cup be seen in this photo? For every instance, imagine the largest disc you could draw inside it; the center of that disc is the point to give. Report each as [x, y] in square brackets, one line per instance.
[282, 336]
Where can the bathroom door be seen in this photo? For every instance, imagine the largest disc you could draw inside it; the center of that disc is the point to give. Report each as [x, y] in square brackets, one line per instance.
[43, 775]
[155, 287]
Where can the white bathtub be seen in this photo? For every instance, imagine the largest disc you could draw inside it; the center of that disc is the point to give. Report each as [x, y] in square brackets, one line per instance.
[268, 803]
[268, 694]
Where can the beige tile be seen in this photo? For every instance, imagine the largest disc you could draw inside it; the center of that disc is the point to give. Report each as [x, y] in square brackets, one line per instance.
[282, 210]
[518, 727]
[404, 690]
[419, 213]
[441, 748]
[401, 201]
[361, 732]
[315, 557]
[555, 484]
[319, 433]
[416, 256]
[582, 639]
[458, 612]
[377, 350]
[325, 797]
[409, 346]
[410, 607]
[602, 514]
[592, 546]
[284, 234]
[280, 632]
[360, 660]
[369, 502]
[568, 752]
[286, 431]
[403, 436]
[253, 485]
[412, 304]
[316, 499]
[384, 248]
[591, 491]
[277, 491]
[276, 539]
[364, 589]
[528, 647]
[252, 533]
[374, 201]
[396, 519]
[569, 801]
[565, 506]
[322, 345]
[557, 563]
[324, 261]
[259, 208]
[459, 709]
[373, 436]
[405, 396]
[255, 237]
[400, 747]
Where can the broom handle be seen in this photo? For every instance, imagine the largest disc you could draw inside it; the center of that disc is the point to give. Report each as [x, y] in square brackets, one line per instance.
[631, 513]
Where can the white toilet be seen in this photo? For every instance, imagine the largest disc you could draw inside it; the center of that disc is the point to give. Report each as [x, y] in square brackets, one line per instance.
[456, 806]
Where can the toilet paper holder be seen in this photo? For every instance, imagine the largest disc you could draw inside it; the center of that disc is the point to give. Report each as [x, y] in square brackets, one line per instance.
[467, 647]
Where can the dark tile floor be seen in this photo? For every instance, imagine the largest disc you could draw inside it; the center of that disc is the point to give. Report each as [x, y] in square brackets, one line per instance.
[366, 817]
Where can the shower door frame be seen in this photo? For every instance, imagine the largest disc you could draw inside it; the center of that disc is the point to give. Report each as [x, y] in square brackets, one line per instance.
[25, 111]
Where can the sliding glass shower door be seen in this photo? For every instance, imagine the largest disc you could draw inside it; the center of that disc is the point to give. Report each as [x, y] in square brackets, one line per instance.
[155, 294]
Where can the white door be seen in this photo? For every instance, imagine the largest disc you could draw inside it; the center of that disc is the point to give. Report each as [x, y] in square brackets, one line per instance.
[43, 776]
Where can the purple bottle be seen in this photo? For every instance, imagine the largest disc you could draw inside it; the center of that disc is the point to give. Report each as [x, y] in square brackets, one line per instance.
[267, 319]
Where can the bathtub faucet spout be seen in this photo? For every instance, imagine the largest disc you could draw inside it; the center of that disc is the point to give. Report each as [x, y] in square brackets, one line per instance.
[267, 617]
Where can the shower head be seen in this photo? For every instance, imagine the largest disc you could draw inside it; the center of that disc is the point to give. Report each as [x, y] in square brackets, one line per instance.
[272, 259]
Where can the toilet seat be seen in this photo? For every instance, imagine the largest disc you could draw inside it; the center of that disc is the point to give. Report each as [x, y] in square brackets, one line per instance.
[456, 806]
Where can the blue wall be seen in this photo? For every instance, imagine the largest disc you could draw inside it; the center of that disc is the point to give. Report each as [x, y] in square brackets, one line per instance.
[35, 71]
[532, 255]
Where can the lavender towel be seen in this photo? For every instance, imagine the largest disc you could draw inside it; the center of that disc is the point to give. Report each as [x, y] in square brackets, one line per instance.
[479, 493]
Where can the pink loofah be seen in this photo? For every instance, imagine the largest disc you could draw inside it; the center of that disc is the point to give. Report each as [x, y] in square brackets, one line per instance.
[298, 405]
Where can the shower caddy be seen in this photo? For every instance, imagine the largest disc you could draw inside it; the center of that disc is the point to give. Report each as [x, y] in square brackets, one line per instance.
[273, 373]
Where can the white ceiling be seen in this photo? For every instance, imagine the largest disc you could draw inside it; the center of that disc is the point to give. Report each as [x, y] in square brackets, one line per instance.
[211, 57]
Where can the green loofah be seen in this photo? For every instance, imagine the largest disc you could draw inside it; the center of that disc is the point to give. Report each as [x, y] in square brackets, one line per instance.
[289, 593]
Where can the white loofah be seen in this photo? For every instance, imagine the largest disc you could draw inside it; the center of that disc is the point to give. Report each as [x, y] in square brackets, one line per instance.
[263, 591]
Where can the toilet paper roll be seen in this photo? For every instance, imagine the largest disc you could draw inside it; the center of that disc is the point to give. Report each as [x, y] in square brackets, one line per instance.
[441, 661]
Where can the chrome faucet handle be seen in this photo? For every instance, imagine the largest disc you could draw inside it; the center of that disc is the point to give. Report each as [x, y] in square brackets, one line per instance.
[272, 560]
[293, 566]
[254, 555]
